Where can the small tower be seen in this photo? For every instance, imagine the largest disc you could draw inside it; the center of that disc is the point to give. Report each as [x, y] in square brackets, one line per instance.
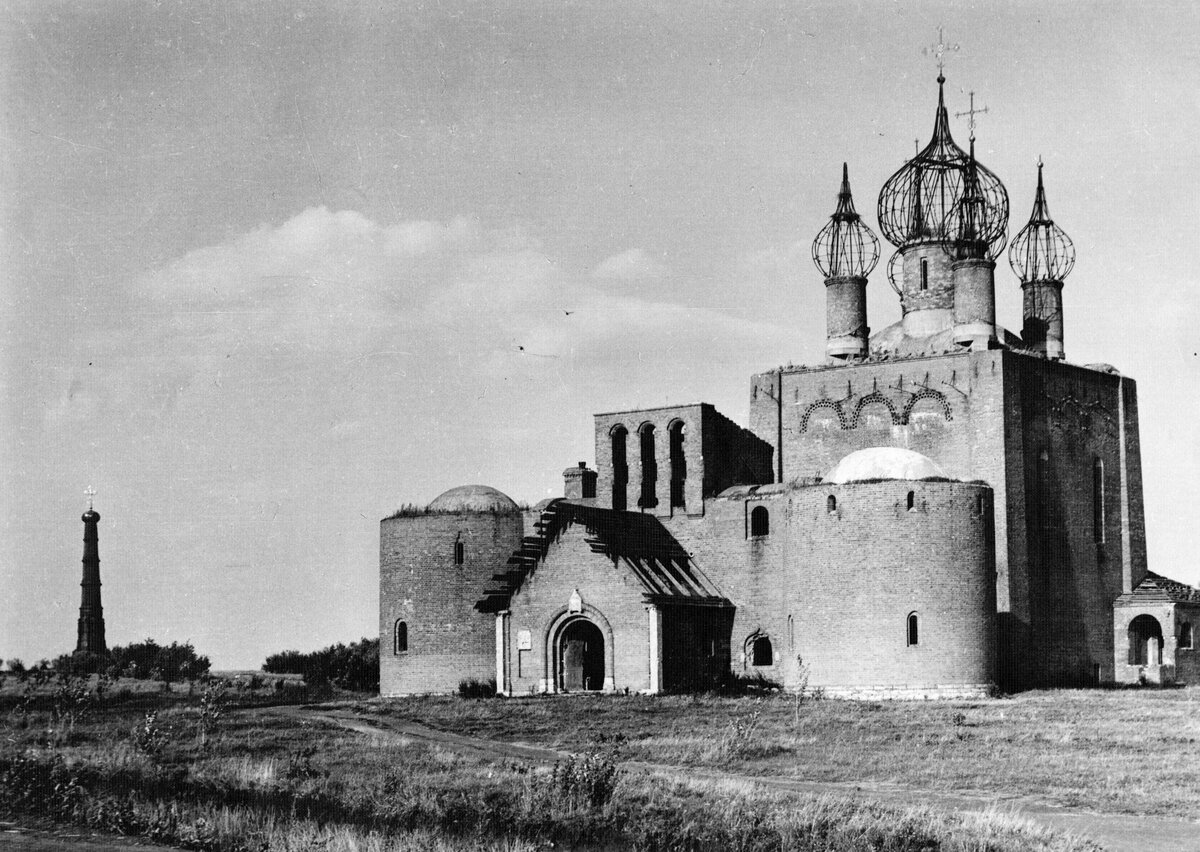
[845, 251]
[1042, 255]
[91, 613]
[977, 227]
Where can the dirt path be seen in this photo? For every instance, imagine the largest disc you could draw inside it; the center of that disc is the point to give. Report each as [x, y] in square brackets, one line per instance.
[1115, 832]
[23, 839]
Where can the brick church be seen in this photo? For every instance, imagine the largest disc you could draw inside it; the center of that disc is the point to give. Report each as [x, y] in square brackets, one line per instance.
[941, 508]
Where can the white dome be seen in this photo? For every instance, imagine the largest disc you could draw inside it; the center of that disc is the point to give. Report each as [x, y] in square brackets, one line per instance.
[884, 463]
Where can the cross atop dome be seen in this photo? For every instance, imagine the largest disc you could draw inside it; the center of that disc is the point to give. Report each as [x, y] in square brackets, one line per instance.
[938, 51]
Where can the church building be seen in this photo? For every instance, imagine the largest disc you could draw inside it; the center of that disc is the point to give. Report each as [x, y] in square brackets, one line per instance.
[941, 508]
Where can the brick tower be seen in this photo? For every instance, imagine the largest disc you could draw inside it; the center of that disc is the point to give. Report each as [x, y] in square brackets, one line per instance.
[91, 613]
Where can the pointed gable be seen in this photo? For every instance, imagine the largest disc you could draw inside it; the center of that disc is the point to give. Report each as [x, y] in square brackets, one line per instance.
[638, 542]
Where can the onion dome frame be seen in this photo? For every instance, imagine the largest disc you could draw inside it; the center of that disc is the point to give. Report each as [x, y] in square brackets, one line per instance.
[917, 203]
[1041, 251]
[846, 247]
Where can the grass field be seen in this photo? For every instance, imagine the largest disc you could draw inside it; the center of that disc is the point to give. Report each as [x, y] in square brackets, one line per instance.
[1115, 751]
[204, 773]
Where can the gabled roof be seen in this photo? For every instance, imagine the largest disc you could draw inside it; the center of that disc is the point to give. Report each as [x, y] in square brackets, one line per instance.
[1158, 587]
[658, 561]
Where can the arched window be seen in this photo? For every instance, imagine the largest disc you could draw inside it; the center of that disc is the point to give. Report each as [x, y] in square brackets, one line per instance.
[460, 552]
[400, 642]
[1185, 635]
[912, 500]
[831, 504]
[620, 467]
[791, 634]
[760, 521]
[1098, 501]
[678, 464]
[913, 629]
[761, 653]
[649, 498]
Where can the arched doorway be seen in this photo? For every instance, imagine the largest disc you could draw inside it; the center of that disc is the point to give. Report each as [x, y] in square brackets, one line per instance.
[1145, 641]
[580, 657]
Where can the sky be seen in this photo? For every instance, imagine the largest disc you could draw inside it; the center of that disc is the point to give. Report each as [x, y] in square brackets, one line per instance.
[269, 271]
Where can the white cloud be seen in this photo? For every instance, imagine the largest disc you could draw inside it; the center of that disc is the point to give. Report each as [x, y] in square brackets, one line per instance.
[632, 265]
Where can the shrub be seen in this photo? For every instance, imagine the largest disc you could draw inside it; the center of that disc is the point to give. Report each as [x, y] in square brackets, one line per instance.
[473, 688]
[150, 737]
[354, 666]
[150, 661]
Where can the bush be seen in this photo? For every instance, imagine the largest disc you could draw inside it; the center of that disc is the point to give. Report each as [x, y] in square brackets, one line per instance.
[354, 666]
[477, 688]
[150, 661]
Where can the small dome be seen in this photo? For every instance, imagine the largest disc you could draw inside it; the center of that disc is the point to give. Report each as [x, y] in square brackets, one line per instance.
[473, 498]
[884, 463]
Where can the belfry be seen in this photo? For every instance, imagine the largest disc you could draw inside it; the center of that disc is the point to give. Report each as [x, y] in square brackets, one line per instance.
[91, 613]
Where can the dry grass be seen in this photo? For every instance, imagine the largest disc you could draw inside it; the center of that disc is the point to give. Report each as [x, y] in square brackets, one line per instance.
[1121, 751]
[266, 780]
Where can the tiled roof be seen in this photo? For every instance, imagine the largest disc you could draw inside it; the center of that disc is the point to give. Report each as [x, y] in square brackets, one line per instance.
[1173, 589]
[660, 563]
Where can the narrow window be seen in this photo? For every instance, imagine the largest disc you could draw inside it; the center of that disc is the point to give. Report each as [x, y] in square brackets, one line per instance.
[678, 465]
[620, 467]
[924, 274]
[761, 653]
[831, 504]
[1098, 501]
[649, 498]
[460, 552]
[791, 634]
[912, 629]
[1185, 635]
[912, 500]
[1043, 489]
[980, 505]
[760, 521]
[401, 640]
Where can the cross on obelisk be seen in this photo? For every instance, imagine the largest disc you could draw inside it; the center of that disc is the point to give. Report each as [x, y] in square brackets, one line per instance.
[972, 112]
[939, 50]
[90, 493]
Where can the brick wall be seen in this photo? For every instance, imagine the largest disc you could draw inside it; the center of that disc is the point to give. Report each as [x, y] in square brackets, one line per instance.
[836, 588]
[419, 583]
[717, 453]
[989, 416]
[612, 598]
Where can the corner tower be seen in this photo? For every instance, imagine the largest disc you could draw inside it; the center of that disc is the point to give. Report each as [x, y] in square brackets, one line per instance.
[91, 613]
[846, 251]
[1042, 255]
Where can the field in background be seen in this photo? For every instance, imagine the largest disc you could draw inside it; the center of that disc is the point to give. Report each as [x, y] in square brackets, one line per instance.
[221, 770]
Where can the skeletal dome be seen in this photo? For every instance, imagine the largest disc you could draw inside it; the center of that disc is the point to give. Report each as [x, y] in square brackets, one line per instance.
[473, 498]
[917, 202]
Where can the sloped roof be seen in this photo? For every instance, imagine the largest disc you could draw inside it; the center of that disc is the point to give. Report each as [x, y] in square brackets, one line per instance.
[659, 562]
[1156, 585]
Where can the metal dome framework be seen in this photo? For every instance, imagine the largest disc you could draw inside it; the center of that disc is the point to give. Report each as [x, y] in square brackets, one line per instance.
[977, 225]
[1041, 251]
[846, 246]
[918, 203]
